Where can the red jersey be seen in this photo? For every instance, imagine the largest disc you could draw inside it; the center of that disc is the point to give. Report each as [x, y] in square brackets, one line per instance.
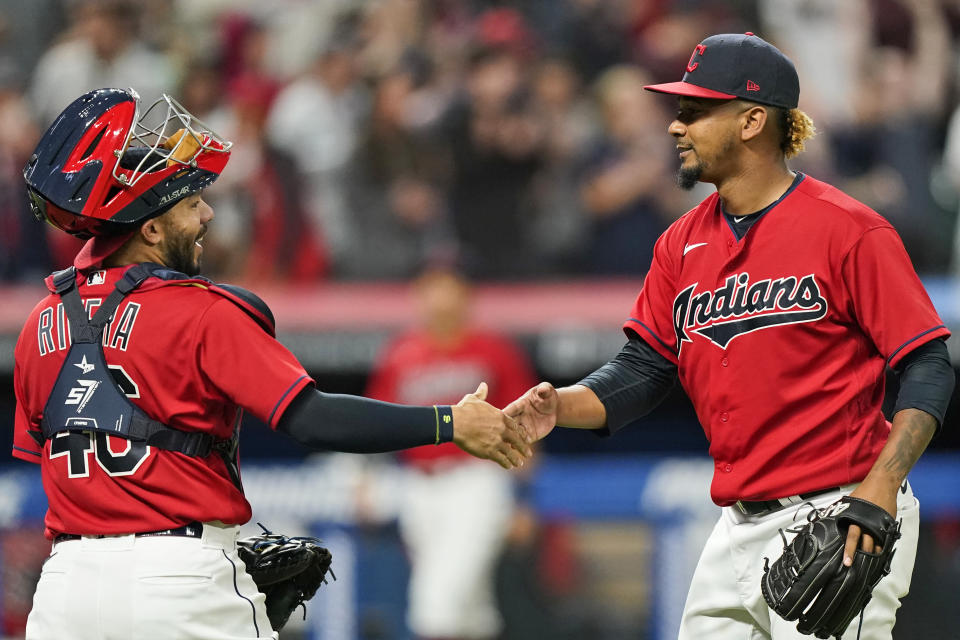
[415, 369]
[190, 358]
[781, 338]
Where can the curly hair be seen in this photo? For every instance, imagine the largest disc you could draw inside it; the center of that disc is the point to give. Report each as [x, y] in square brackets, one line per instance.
[796, 127]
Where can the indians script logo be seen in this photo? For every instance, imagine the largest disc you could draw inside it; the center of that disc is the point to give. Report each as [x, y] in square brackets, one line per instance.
[740, 307]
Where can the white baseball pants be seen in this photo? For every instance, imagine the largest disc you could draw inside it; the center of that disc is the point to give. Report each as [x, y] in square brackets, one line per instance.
[725, 603]
[454, 523]
[148, 588]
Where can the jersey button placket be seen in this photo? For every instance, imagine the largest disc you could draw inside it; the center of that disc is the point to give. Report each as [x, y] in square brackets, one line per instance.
[724, 362]
[724, 416]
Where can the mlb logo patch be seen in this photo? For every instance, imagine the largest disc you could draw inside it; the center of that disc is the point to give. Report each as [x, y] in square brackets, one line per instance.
[97, 277]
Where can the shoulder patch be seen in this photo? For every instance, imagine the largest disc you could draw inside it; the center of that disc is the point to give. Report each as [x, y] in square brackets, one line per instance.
[250, 303]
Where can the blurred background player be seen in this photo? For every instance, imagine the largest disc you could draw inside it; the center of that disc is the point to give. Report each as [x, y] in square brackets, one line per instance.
[455, 513]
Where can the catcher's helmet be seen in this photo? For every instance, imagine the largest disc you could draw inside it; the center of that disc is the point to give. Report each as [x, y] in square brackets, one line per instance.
[101, 168]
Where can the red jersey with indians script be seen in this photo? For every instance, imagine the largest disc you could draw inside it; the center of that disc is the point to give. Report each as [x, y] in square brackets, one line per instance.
[187, 356]
[416, 369]
[781, 338]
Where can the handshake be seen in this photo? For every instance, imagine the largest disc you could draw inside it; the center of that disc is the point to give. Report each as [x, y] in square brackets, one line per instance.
[504, 436]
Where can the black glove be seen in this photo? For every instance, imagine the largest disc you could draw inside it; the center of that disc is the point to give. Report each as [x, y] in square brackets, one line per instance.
[288, 571]
[809, 582]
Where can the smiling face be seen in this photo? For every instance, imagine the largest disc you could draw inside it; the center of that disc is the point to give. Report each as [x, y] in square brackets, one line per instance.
[183, 227]
[707, 134]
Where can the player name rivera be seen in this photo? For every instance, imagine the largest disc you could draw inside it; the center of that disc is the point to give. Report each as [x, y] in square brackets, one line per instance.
[765, 303]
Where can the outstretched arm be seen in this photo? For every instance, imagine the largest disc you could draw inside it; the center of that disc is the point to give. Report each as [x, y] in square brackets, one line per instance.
[354, 424]
[624, 389]
[543, 407]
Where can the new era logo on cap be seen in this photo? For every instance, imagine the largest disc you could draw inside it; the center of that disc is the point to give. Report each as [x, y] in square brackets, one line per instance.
[733, 65]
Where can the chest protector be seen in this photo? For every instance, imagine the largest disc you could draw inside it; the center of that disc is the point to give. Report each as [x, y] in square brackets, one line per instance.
[85, 396]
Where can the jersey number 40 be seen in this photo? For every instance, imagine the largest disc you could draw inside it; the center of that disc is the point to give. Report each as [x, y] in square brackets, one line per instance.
[117, 456]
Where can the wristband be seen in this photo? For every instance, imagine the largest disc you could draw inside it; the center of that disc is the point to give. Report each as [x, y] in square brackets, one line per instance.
[444, 414]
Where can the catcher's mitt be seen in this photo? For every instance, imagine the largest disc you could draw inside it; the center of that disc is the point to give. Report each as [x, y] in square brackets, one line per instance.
[809, 582]
[288, 571]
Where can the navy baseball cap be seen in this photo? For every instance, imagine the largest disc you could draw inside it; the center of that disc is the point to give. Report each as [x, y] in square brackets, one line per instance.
[733, 65]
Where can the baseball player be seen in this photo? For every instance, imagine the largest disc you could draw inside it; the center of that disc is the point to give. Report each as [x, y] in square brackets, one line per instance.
[778, 302]
[132, 375]
[451, 589]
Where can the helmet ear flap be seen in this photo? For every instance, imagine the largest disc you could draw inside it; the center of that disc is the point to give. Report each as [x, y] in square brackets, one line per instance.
[82, 227]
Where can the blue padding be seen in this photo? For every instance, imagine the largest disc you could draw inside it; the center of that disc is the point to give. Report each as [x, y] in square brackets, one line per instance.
[589, 488]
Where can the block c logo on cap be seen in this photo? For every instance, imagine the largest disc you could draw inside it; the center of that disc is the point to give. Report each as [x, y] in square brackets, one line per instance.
[697, 50]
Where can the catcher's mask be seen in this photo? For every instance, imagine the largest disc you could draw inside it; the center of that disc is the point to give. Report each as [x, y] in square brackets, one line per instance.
[102, 167]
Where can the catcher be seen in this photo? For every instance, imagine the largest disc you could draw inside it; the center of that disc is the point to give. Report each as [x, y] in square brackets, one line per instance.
[131, 377]
[777, 302]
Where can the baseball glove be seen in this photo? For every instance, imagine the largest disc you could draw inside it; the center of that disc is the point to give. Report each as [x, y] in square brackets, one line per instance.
[809, 582]
[288, 571]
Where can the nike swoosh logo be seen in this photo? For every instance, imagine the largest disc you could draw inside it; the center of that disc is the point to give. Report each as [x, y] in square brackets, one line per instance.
[740, 219]
[690, 247]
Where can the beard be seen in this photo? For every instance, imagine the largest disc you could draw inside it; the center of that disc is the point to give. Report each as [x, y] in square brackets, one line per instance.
[178, 254]
[688, 177]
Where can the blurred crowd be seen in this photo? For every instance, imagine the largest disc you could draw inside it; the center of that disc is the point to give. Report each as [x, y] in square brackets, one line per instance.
[373, 136]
